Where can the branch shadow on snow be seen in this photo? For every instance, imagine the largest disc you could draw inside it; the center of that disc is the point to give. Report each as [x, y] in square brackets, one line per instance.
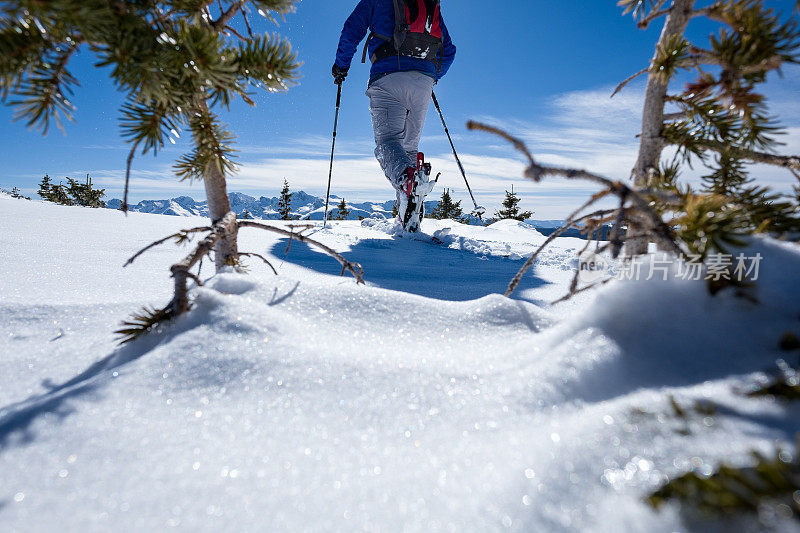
[277, 300]
[419, 267]
[16, 419]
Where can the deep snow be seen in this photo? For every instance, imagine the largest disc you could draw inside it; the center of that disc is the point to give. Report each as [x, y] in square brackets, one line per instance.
[422, 402]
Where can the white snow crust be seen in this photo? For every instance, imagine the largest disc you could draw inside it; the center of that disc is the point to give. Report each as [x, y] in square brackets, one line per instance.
[424, 401]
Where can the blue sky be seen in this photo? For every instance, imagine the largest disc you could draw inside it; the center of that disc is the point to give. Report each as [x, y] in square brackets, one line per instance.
[543, 69]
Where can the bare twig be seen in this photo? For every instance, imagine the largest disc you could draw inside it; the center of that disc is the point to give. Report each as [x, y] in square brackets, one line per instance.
[259, 256]
[639, 207]
[226, 16]
[573, 289]
[353, 268]
[183, 234]
[247, 23]
[583, 289]
[628, 80]
[195, 278]
[517, 143]
[232, 30]
[537, 172]
[512, 286]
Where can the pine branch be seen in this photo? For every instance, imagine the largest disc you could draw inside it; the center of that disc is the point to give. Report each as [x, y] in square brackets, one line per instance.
[789, 162]
[267, 61]
[354, 268]
[180, 237]
[46, 91]
[212, 146]
[656, 13]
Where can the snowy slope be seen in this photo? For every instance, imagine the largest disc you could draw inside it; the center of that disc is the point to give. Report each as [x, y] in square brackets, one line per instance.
[422, 402]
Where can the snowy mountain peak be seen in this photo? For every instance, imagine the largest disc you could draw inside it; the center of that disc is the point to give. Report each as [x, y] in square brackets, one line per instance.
[303, 206]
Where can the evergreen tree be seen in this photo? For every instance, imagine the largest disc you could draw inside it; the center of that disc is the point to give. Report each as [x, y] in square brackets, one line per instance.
[246, 215]
[175, 62]
[511, 205]
[395, 210]
[84, 194]
[60, 195]
[16, 193]
[446, 208]
[285, 203]
[721, 119]
[343, 212]
[46, 188]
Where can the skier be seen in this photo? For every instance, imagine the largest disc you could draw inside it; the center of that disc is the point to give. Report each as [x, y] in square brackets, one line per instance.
[410, 49]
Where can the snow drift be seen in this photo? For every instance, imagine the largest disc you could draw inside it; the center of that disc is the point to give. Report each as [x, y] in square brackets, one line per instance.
[423, 402]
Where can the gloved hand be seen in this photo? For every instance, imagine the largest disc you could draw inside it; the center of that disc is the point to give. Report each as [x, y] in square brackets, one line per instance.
[339, 74]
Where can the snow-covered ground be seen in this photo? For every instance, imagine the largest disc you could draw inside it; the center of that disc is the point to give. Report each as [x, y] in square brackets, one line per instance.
[424, 401]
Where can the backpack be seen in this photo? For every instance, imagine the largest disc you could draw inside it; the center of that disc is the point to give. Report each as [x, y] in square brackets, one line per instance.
[417, 32]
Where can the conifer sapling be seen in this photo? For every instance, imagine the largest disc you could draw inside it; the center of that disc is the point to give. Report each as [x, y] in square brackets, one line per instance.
[285, 202]
[343, 212]
[446, 208]
[511, 208]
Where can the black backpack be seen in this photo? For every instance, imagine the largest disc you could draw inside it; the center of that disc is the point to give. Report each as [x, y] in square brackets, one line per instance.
[417, 32]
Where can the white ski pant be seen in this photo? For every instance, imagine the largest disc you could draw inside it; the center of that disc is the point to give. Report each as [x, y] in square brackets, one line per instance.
[398, 103]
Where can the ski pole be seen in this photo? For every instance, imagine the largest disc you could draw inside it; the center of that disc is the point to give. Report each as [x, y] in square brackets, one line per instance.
[333, 149]
[478, 209]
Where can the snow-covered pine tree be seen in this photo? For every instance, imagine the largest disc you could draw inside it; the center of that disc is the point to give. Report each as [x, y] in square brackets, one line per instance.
[46, 188]
[342, 211]
[446, 208]
[720, 118]
[396, 210]
[511, 208]
[175, 61]
[285, 203]
[246, 215]
[16, 193]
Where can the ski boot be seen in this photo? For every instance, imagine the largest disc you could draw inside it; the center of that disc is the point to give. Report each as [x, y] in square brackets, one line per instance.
[416, 187]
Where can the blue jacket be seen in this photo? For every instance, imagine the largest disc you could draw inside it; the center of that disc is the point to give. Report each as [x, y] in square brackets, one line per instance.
[378, 16]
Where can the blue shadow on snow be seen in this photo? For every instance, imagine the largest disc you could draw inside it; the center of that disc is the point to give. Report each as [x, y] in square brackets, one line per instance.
[419, 267]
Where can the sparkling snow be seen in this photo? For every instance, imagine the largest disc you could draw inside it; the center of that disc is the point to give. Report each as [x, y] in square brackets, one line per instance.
[422, 402]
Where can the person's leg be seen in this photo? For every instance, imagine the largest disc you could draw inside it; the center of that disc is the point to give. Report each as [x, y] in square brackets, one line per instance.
[417, 89]
[389, 122]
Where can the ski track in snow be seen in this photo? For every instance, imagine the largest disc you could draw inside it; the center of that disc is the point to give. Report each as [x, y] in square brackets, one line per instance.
[422, 402]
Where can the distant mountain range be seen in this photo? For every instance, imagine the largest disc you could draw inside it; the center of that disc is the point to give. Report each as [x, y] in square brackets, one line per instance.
[304, 206]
